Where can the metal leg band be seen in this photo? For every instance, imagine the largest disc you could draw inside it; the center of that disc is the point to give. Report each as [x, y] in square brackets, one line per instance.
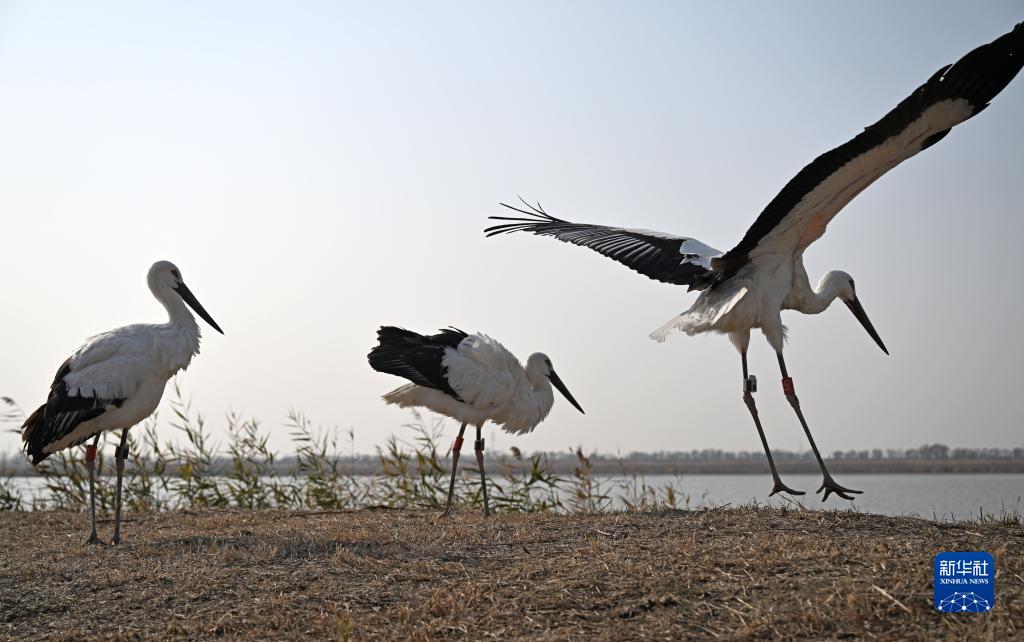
[750, 384]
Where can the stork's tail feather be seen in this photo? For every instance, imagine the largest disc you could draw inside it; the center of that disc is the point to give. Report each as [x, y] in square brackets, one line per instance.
[33, 434]
[392, 342]
[416, 357]
[403, 396]
[676, 323]
[394, 346]
[390, 334]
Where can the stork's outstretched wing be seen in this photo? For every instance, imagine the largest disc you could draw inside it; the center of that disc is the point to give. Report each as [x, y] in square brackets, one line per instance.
[801, 211]
[662, 257]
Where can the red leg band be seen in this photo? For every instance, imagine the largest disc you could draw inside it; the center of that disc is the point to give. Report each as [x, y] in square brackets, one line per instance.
[788, 387]
[458, 444]
[90, 454]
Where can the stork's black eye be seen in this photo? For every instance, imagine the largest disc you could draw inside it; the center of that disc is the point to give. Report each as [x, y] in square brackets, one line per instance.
[176, 274]
[548, 361]
[851, 283]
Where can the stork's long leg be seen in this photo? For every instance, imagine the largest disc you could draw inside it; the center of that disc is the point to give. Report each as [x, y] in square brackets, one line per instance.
[90, 463]
[749, 387]
[479, 448]
[456, 449]
[829, 485]
[119, 456]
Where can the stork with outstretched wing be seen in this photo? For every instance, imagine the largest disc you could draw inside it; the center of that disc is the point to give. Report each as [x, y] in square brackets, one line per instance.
[748, 286]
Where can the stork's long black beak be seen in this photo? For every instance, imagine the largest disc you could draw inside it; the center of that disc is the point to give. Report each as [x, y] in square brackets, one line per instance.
[556, 381]
[862, 316]
[189, 298]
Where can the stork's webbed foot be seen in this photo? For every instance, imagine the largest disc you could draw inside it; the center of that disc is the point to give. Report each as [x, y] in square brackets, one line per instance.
[94, 539]
[830, 486]
[782, 488]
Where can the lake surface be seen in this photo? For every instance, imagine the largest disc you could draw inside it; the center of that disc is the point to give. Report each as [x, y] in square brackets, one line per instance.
[943, 496]
[958, 496]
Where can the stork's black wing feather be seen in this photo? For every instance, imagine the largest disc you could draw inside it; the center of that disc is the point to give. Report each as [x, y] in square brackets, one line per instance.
[60, 415]
[799, 213]
[416, 357]
[662, 257]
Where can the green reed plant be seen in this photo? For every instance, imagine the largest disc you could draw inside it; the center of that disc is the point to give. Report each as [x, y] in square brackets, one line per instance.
[197, 484]
[328, 484]
[587, 494]
[530, 485]
[412, 475]
[10, 497]
[149, 480]
[66, 479]
[11, 412]
[413, 470]
[252, 480]
[636, 494]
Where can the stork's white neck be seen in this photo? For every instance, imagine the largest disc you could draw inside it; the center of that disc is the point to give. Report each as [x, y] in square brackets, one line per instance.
[179, 316]
[819, 299]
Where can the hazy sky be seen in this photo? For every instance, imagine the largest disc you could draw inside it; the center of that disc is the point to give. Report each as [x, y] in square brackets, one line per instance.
[319, 169]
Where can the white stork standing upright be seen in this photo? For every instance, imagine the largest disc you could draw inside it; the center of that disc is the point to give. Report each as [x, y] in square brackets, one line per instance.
[116, 380]
[748, 286]
[471, 378]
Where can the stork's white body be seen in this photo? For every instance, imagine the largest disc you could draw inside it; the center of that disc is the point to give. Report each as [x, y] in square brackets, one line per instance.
[133, 363]
[116, 379]
[755, 298]
[491, 384]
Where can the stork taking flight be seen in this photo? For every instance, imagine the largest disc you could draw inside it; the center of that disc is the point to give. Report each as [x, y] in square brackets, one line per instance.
[748, 286]
[471, 378]
[115, 381]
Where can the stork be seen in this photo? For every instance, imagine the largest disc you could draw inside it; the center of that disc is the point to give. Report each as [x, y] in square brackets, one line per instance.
[115, 380]
[471, 378]
[748, 286]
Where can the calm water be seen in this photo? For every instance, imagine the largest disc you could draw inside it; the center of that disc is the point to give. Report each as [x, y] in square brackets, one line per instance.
[958, 496]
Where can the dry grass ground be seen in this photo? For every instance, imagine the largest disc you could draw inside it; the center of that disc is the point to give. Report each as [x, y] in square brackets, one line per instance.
[721, 573]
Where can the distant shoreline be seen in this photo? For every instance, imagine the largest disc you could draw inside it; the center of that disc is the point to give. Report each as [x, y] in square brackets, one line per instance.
[755, 467]
[601, 465]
